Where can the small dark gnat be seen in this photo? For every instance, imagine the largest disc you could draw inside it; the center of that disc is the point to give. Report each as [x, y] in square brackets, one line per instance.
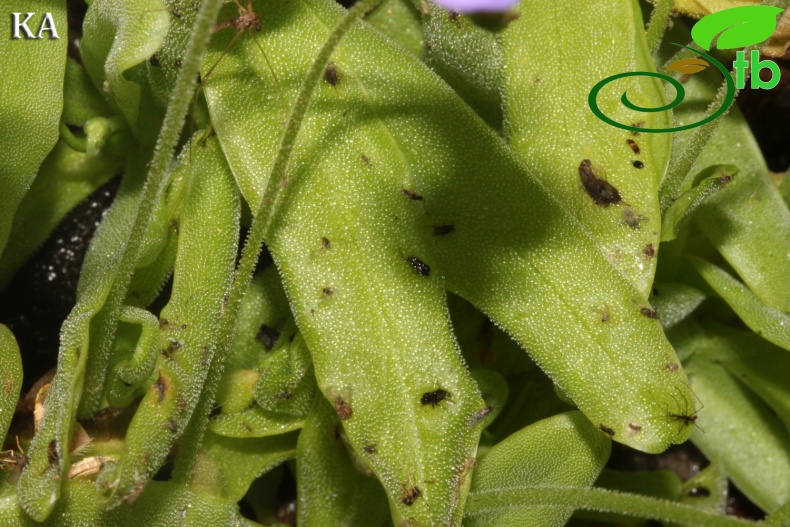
[600, 190]
[640, 124]
[412, 195]
[442, 230]
[410, 495]
[325, 243]
[328, 291]
[419, 266]
[649, 251]
[434, 398]
[638, 164]
[631, 218]
[369, 449]
[268, 337]
[154, 61]
[331, 75]
[171, 425]
[365, 159]
[634, 427]
[633, 146]
[698, 492]
[649, 313]
[605, 429]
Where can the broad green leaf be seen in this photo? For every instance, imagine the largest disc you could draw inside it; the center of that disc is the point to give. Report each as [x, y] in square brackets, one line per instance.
[226, 467]
[550, 125]
[674, 302]
[769, 323]
[711, 180]
[749, 223]
[164, 505]
[736, 27]
[287, 383]
[467, 57]
[564, 450]
[369, 307]
[207, 246]
[741, 433]
[31, 100]
[65, 178]
[400, 20]
[323, 463]
[116, 37]
[358, 167]
[11, 380]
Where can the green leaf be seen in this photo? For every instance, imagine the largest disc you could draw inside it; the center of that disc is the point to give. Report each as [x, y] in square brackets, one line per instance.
[11, 377]
[749, 223]
[399, 20]
[353, 224]
[663, 484]
[674, 302]
[741, 433]
[550, 124]
[164, 505]
[226, 467]
[323, 463]
[736, 27]
[564, 450]
[65, 178]
[769, 323]
[207, 247]
[756, 363]
[711, 180]
[31, 100]
[117, 36]
[467, 57]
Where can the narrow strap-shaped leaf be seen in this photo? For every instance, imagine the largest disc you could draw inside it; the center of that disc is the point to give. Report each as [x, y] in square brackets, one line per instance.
[711, 180]
[562, 450]
[551, 126]
[755, 362]
[207, 245]
[749, 223]
[766, 321]
[10, 377]
[742, 434]
[674, 302]
[31, 98]
[323, 463]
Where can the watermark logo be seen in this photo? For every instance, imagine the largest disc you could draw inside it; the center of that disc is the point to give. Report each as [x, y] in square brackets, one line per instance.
[20, 28]
[735, 28]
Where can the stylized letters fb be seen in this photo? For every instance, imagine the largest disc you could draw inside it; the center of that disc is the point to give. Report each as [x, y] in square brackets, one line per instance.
[736, 28]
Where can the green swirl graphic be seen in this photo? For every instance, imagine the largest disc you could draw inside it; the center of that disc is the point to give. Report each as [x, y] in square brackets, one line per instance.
[681, 93]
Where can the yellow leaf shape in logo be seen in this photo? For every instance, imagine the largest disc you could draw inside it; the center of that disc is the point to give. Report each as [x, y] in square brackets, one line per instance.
[689, 66]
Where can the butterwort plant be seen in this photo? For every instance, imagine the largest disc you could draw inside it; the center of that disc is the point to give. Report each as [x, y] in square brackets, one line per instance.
[384, 265]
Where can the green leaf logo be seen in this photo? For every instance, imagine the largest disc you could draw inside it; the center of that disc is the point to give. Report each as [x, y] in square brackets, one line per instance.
[738, 27]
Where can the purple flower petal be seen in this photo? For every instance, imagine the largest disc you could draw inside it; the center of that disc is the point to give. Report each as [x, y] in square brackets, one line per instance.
[477, 6]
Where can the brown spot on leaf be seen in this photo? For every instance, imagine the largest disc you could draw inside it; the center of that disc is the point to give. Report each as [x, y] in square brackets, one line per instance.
[649, 251]
[442, 230]
[343, 409]
[411, 194]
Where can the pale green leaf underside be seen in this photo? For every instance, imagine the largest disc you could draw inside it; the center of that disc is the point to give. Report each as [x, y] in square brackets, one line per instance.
[564, 450]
